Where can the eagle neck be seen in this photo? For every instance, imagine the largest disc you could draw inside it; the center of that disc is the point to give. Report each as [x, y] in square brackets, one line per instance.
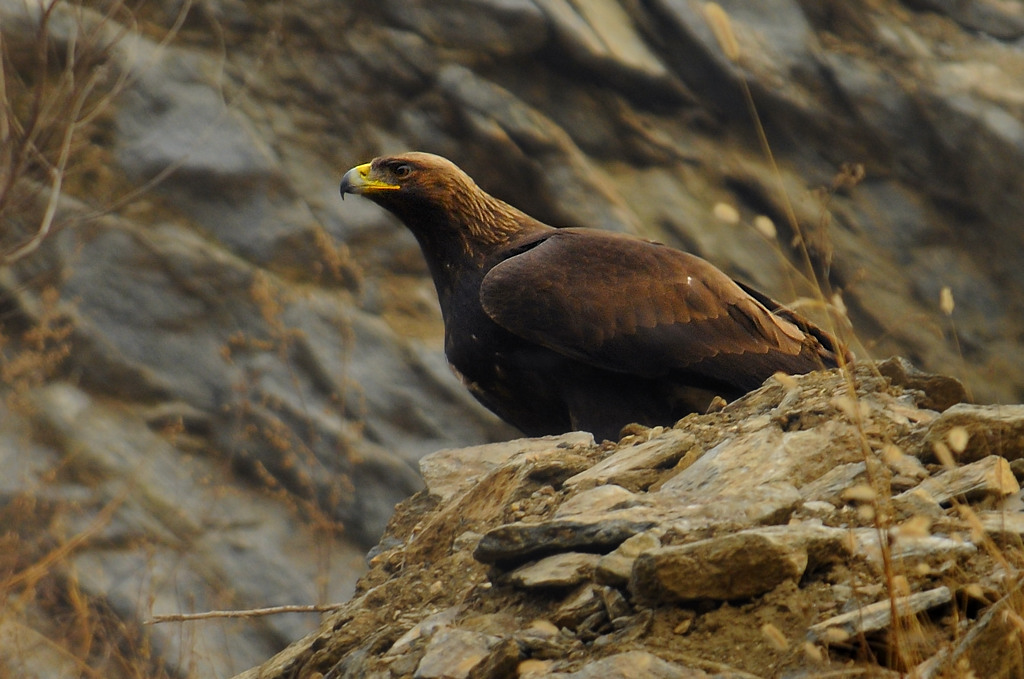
[459, 239]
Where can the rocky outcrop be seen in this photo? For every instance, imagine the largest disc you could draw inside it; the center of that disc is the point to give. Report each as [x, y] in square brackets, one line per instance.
[808, 528]
[218, 378]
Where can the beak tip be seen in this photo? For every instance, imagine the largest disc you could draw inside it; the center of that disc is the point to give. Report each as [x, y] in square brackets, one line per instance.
[347, 184]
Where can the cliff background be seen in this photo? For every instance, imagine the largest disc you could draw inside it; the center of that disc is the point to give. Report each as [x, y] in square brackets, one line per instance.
[218, 377]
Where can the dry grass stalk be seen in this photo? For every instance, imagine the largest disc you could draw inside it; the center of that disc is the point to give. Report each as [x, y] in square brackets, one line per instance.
[250, 613]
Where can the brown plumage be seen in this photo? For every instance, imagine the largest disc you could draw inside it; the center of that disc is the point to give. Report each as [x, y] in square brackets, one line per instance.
[562, 329]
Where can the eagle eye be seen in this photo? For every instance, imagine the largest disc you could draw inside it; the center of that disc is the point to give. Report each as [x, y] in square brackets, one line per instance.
[402, 171]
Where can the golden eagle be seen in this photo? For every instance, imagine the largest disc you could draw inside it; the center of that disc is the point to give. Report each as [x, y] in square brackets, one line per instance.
[557, 329]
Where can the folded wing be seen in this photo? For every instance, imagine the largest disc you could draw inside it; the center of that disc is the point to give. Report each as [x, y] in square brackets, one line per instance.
[633, 306]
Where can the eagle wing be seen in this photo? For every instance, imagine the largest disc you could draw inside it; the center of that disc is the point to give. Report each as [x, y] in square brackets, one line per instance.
[634, 306]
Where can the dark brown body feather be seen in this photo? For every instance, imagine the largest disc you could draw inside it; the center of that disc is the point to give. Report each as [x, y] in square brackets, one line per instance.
[561, 329]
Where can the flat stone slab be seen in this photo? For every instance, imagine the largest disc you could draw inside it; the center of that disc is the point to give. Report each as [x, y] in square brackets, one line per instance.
[988, 476]
[991, 430]
[911, 549]
[601, 498]
[454, 653]
[738, 566]
[615, 568]
[1003, 524]
[878, 615]
[557, 570]
[597, 533]
[448, 471]
[664, 450]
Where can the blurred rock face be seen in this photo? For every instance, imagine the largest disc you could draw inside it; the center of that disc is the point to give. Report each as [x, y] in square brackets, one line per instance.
[285, 346]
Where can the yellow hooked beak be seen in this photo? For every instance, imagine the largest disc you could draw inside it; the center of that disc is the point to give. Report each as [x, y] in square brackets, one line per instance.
[360, 180]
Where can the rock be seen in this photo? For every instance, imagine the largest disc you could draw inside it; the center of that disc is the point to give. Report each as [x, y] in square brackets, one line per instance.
[33, 658]
[990, 431]
[632, 665]
[917, 502]
[775, 44]
[738, 566]
[983, 647]
[447, 471]
[191, 306]
[577, 607]
[599, 499]
[140, 517]
[825, 546]
[615, 604]
[226, 177]
[829, 488]
[783, 458]
[500, 27]
[174, 115]
[749, 503]
[877, 616]
[603, 531]
[517, 542]
[661, 452]
[616, 567]
[533, 668]
[938, 392]
[542, 640]
[990, 476]
[935, 551]
[454, 654]
[600, 34]
[626, 629]
[1002, 522]
[497, 117]
[818, 509]
[905, 466]
[557, 570]
[999, 20]
[425, 628]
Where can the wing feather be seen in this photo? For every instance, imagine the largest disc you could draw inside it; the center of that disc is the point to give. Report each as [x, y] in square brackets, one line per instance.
[630, 305]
